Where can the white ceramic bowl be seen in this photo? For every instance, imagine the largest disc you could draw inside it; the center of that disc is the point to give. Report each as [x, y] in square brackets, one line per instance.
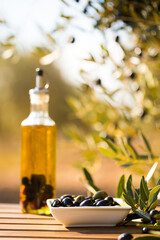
[90, 216]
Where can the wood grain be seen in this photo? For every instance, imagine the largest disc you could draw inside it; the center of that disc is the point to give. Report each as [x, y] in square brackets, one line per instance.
[16, 225]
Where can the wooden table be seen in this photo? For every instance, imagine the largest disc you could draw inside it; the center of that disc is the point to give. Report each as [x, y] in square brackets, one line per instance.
[16, 225]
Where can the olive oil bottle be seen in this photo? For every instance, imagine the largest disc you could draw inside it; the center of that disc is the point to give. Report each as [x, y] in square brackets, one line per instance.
[38, 152]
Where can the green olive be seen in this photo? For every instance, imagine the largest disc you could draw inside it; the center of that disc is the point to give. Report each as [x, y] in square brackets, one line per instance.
[100, 195]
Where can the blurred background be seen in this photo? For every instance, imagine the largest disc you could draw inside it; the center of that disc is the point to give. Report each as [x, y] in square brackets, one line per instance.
[101, 61]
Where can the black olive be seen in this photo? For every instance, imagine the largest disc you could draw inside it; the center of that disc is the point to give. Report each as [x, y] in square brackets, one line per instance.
[34, 178]
[145, 230]
[48, 188]
[56, 203]
[42, 180]
[67, 202]
[66, 196]
[103, 203]
[110, 200]
[152, 222]
[30, 193]
[89, 198]
[153, 213]
[25, 181]
[87, 202]
[79, 198]
[125, 236]
[115, 203]
[96, 201]
[35, 182]
[76, 203]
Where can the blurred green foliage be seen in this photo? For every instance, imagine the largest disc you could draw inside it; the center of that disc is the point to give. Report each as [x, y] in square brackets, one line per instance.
[101, 112]
[111, 116]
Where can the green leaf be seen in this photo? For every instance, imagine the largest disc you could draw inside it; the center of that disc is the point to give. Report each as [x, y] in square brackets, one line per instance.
[157, 216]
[136, 195]
[65, 2]
[158, 182]
[149, 226]
[132, 150]
[129, 186]
[107, 152]
[103, 48]
[142, 204]
[146, 143]
[120, 187]
[129, 201]
[66, 17]
[146, 238]
[124, 149]
[90, 180]
[88, 176]
[145, 188]
[155, 232]
[153, 205]
[52, 39]
[143, 214]
[113, 146]
[143, 192]
[127, 165]
[153, 194]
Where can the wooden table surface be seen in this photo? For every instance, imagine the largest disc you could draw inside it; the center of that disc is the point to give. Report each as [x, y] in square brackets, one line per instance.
[16, 225]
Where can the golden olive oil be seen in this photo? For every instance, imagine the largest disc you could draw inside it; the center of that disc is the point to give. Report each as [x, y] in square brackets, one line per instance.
[37, 167]
[38, 153]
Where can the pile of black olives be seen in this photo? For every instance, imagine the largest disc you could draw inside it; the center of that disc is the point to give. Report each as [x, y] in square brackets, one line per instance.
[100, 198]
[35, 191]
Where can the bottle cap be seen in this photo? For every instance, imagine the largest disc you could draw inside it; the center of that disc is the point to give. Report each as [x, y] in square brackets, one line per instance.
[39, 72]
[40, 85]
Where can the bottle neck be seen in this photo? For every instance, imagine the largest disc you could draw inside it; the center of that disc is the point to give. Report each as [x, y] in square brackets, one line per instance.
[39, 105]
[39, 110]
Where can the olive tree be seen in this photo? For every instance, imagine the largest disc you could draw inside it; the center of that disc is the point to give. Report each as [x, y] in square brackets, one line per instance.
[118, 115]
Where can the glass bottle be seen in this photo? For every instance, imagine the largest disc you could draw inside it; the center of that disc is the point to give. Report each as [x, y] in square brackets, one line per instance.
[38, 152]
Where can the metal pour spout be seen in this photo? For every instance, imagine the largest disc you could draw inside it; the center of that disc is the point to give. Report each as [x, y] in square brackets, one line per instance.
[39, 78]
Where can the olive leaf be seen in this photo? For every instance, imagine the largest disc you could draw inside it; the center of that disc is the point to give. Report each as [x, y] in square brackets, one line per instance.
[146, 143]
[141, 200]
[126, 155]
[145, 188]
[153, 205]
[146, 238]
[90, 179]
[143, 214]
[130, 201]
[129, 186]
[107, 152]
[121, 186]
[142, 204]
[113, 146]
[132, 150]
[143, 193]
[136, 195]
[153, 194]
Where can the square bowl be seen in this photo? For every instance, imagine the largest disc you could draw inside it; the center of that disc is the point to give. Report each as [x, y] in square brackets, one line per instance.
[90, 216]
